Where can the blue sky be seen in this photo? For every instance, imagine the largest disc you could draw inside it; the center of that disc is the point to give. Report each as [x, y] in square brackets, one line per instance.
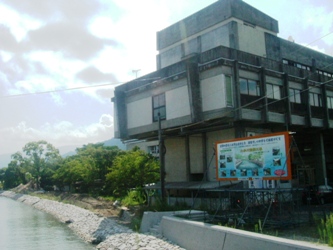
[87, 47]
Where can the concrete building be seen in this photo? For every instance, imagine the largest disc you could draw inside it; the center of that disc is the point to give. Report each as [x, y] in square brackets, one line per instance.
[223, 73]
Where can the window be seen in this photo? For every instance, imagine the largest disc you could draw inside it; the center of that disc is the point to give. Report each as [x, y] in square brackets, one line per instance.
[228, 91]
[273, 91]
[153, 150]
[294, 64]
[315, 99]
[295, 95]
[320, 72]
[249, 87]
[159, 107]
[330, 102]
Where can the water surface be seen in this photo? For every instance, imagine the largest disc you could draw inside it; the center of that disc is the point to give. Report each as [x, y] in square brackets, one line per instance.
[26, 228]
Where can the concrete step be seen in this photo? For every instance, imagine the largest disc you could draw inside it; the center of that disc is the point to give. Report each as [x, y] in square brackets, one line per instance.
[156, 229]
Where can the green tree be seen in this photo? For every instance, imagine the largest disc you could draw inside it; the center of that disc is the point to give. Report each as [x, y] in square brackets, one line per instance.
[13, 176]
[15, 172]
[103, 157]
[132, 169]
[76, 170]
[2, 177]
[40, 155]
[87, 169]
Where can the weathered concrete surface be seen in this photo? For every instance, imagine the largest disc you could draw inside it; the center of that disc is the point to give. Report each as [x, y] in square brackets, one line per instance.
[198, 235]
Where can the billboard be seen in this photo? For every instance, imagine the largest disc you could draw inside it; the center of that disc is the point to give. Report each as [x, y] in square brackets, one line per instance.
[264, 157]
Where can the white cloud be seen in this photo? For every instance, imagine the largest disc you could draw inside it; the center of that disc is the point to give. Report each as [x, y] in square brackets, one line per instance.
[58, 100]
[19, 23]
[59, 134]
[320, 19]
[106, 120]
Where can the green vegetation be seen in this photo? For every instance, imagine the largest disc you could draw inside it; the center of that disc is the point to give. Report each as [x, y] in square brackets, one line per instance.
[325, 229]
[95, 169]
[132, 169]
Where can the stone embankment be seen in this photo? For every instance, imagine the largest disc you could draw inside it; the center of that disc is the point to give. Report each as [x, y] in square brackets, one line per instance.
[105, 232]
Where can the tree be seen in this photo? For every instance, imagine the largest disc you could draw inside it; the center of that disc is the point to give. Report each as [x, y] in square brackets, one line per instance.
[87, 169]
[132, 169]
[103, 157]
[76, 170]
[40, 155]
[2, 177]
[14, 174]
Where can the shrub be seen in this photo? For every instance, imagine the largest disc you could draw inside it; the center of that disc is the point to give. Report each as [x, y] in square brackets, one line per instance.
[325, 229]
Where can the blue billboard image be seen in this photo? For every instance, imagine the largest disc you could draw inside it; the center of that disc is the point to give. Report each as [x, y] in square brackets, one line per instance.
[263, 156]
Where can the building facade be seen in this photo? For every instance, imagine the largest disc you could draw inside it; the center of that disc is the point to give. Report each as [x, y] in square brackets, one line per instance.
[223, 73]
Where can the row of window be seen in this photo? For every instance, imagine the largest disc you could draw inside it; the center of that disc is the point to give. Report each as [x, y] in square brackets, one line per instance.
[305, 67]
[251, 87]
[247, 87]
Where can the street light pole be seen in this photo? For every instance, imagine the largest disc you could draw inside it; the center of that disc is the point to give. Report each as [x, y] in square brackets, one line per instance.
[136, 72]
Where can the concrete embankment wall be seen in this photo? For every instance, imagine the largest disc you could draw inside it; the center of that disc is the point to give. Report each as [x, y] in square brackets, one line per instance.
[194, 235]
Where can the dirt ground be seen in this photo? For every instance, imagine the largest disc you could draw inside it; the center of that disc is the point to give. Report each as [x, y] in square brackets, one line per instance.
[97, 205]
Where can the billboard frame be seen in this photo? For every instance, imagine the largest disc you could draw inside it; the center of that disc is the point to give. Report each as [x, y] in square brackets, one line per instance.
[270, 153]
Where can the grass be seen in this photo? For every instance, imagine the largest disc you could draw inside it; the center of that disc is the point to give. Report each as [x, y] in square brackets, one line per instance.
[325, 229]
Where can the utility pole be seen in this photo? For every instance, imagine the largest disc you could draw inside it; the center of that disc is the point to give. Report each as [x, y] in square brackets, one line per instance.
[161, 155]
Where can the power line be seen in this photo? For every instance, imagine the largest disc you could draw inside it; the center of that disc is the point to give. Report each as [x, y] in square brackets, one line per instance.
[76, 88]
[56, 90]
[142, 79]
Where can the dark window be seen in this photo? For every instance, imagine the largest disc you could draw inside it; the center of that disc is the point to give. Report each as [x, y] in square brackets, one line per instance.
[295, 64]
[295, 95]
[249, 87]
[315, 100]
[330, 102]
[273, 91]
[159, 107]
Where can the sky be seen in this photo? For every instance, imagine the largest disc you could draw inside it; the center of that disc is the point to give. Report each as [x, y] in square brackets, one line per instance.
[61, 60]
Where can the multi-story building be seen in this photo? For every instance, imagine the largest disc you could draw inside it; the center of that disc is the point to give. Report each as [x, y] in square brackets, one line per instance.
[223, 73]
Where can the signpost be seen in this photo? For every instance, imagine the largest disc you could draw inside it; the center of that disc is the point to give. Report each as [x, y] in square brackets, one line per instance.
[264, 157]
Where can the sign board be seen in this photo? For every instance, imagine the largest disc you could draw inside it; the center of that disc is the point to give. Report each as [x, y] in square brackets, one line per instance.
[263, 157]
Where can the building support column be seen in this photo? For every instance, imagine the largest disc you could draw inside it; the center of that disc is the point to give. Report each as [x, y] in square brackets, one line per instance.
[193, 85]
[307, 103]
[204, 155]
[324, 107]
[120, 103]
[263, 90]
[288, 120]
[187, 157]
[323, 159]
[237, 98]
[161, 149]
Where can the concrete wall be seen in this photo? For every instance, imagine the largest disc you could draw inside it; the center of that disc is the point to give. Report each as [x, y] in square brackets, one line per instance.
[175, 159]
[213, 93]
[252, 40]
[213, 14]
[194, 235]
[196, 155]
[212, 137]
[178, 104]
[139, 113]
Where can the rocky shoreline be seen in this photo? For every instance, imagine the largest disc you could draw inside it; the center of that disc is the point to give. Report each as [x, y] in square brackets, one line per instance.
[103, 232]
